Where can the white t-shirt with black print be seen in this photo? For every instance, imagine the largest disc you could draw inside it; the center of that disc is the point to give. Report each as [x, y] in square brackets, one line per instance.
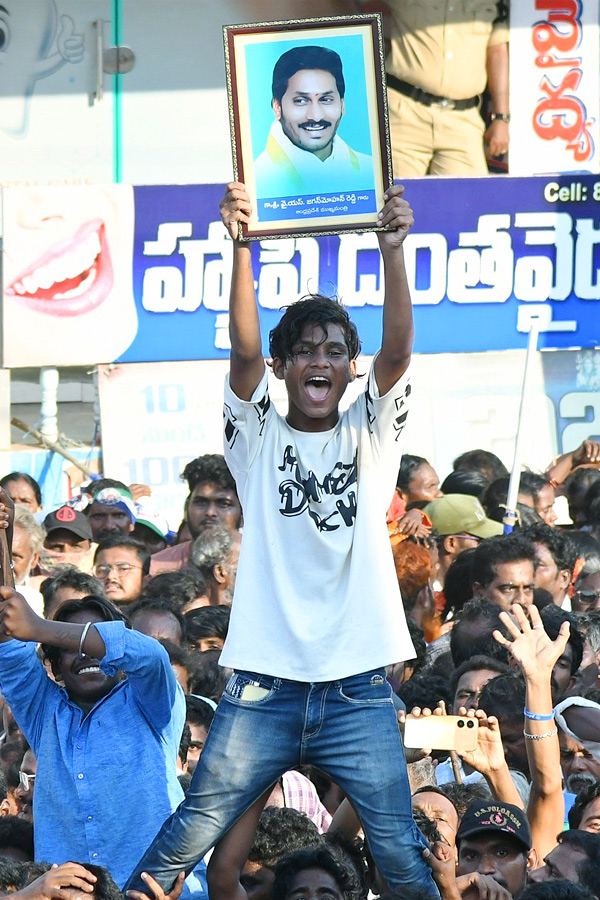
[316, 596]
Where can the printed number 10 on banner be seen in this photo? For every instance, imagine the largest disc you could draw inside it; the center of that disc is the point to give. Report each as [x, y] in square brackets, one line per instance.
[174, 413]
[159, 470]
[166, 398]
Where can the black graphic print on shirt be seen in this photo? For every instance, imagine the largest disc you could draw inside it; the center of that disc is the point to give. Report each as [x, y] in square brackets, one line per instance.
[300, 495]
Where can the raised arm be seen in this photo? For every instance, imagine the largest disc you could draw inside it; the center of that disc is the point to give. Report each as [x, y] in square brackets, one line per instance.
[536, 655]
[398, 329]
[247, 364]
[497, 134]
[19, 621]
[224, 873]
[587, 453]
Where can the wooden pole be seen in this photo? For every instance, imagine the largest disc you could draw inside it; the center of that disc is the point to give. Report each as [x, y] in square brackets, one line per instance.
[51, 445]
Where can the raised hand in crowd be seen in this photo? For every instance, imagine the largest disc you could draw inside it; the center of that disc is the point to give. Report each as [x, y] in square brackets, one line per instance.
[140, 490]
[536, 655]
[18, 620]
[587, 454]
[412, 524]
[487, 758]
[531, 647]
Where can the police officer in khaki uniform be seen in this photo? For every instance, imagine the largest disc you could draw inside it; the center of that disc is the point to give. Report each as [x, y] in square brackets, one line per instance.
[442, 54]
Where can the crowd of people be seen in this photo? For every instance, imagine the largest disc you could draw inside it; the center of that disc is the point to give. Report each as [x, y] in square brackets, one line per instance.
[220, 710]
[522, 809]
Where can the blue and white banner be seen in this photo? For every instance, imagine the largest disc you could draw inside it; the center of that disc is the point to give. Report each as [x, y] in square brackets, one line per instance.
[114, 273]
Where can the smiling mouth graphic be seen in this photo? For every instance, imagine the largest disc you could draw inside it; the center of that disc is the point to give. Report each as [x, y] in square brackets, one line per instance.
[74, 277]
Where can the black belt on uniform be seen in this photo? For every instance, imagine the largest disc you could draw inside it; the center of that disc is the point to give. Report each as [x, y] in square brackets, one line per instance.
[415, 93]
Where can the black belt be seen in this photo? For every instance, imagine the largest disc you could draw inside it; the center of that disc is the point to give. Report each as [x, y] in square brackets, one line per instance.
[415, 93]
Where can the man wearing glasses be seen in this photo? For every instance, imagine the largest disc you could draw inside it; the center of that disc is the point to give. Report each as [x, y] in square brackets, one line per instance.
[461, 523]
[122, 564]
[24, 790]
[587, 587]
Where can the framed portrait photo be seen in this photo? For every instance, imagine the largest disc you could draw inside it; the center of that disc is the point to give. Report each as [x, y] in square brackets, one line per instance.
[309, 124]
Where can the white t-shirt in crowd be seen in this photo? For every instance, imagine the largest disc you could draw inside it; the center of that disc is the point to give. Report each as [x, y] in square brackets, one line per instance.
[316, 595]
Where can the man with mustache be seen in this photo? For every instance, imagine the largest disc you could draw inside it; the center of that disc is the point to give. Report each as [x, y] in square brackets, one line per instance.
[580, 769]
[304, 154]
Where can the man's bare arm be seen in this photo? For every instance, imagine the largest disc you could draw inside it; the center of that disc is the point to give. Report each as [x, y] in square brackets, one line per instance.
[588, 453]
[536, 656]
[19, 621]
[497, 135]
[247, 364]
[224, 871]
[398, 328]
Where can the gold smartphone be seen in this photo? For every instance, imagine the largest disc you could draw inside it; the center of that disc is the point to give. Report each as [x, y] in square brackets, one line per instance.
[441, 732]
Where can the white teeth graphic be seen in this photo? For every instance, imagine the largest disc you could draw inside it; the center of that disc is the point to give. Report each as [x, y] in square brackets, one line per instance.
[29, 284]
[89, 669]
[72, 263]
[44, 277]
[80, 289]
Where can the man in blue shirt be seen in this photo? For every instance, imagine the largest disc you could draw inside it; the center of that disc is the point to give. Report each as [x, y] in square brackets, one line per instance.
[105, 740]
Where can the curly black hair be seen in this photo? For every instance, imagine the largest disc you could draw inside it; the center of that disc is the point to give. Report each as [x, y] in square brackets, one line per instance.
[317, 310]
[320, 857]
[282, 831]
[210, 467]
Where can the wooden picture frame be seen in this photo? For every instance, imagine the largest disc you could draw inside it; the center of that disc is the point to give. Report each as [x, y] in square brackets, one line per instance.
[309, 124]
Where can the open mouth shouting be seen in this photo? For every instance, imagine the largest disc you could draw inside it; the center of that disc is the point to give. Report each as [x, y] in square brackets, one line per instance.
[74, 277]
[317, 387]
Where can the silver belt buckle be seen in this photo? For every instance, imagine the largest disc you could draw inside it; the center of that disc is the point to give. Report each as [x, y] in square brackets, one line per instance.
[444, 103]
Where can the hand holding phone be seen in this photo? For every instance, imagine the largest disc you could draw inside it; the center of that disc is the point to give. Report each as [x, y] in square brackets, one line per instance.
[441, 732]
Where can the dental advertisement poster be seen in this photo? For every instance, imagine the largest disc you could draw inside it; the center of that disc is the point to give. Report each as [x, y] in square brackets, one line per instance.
[102, 274]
